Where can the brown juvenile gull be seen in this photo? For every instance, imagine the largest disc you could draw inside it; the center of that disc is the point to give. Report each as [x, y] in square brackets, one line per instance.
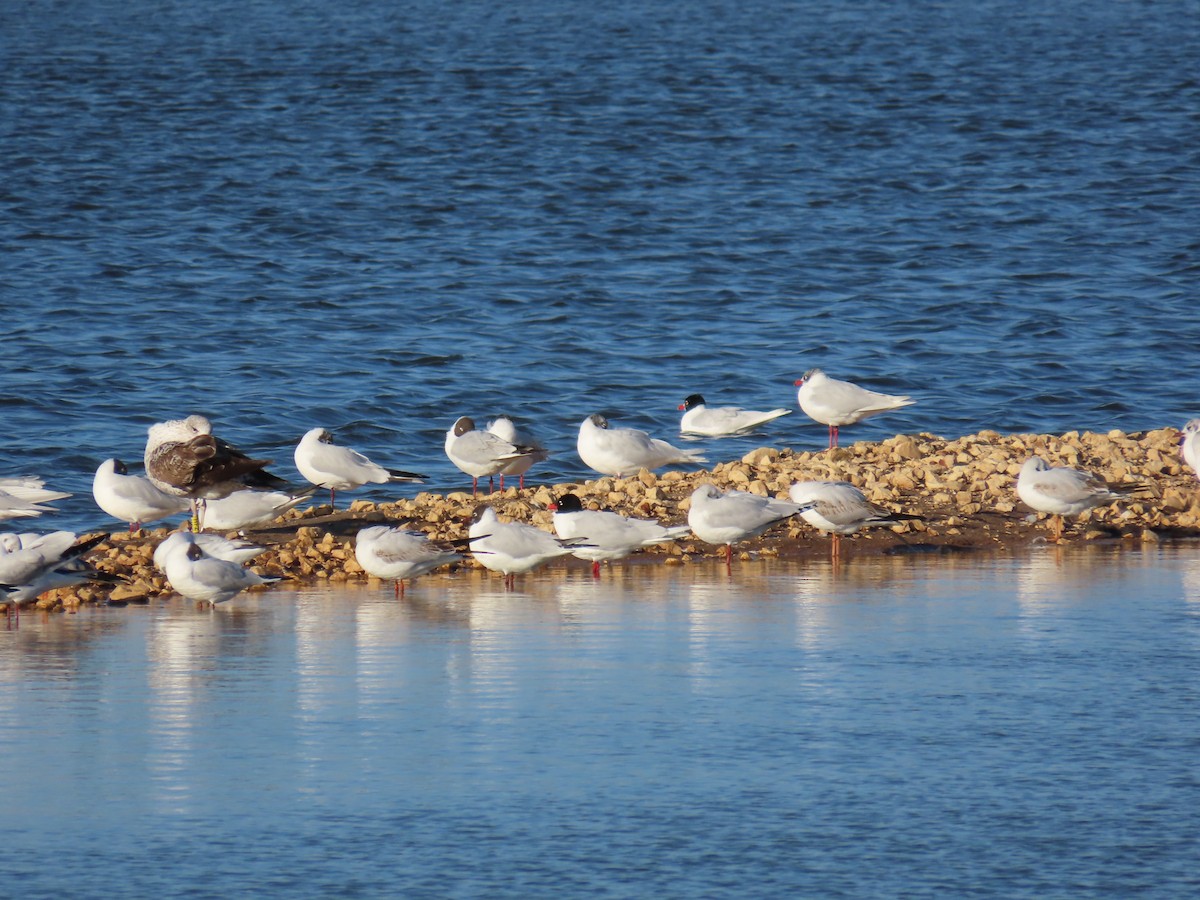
[184, 458]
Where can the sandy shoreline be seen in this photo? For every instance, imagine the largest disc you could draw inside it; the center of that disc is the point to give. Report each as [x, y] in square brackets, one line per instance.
[964, 490]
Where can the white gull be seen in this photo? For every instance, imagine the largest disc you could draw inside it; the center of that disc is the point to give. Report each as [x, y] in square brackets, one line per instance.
[625, 451]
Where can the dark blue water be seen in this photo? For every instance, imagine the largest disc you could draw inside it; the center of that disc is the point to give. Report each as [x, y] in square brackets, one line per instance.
[898, 728]
[379, 216]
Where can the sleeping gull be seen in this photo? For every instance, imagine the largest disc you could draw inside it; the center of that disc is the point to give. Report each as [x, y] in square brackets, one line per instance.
[327, 465]
[1065, 492]
[197, 575]
[608, 535]
[504, 428]
[836, 403]
[250, 509]
[512, 547]
[479, 453]
[394, 553]
[841, 508]
[699, 418]
[726, 518]
[32, 564]
[624, 451]
[134, 499]
[235, 551]
[24, 496]
[184, 458]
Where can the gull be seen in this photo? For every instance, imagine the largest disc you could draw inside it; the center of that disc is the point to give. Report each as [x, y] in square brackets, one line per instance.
[841, 508]
[391, 552]
[212, 544]
[197, 575]
[1065, 492]
[479, 453]
[504, 428]
[249, 509]
[339, 468]
[698, 418]
[608, 535]
[512, 547]
[624, 451]
[726, 518]
[32, 564]
[836, 403]
[184, 458]
[1191, 445]
[132, 498]
[24, 496]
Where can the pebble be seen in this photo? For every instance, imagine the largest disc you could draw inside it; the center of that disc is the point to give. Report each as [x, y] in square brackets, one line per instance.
[963, 488]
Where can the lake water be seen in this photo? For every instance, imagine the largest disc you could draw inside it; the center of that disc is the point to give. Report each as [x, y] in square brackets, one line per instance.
[377, 217]
[896, 727]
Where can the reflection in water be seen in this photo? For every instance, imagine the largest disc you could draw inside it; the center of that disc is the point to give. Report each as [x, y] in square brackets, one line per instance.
[611, 718]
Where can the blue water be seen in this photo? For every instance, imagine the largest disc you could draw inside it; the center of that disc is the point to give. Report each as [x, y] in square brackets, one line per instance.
[379, 216]
[897, 728]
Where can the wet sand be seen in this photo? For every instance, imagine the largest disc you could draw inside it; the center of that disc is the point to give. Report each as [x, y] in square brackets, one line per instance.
[963, 490]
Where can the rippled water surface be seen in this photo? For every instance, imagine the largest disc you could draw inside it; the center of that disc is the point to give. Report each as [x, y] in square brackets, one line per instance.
[898, 727]
[379, 216]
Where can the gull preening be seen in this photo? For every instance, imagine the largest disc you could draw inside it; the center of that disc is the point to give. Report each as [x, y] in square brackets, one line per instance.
[196, 574]
[480, 453]
[25, 496]
[625, 451]
[504, 428]
[512, 548]
[836, 403]
[133, 499]
[838, 508]
[394, 554]
[250, 509]
[733, 516]
[1061, 491]
[184, 458]
[606, 534]
[699, 418]
[32, 564]
[1191, 445]
[327, 465]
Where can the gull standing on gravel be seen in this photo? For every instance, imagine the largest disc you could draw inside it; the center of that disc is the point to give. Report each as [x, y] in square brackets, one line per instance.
[625, 451]
[24, 496]
[1065, 492]
[512, 547]
[184, 458]
[393, 553]
[197, 575]
[133, 499]
[327, 465]
[1191, 445]
[837, 403]
[699, 418]
[608, 535]
[504, 428]
[479, 453]
[841, 508]
[249, 509]
[732, 516]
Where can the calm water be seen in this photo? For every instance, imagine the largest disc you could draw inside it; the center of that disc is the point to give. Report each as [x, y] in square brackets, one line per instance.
[916, 728]
[379, 216]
